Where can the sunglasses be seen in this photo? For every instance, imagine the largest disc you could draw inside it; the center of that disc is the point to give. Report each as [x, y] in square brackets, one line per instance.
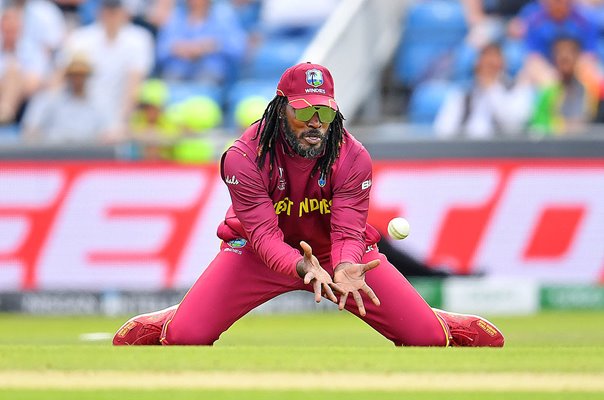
[326, 114]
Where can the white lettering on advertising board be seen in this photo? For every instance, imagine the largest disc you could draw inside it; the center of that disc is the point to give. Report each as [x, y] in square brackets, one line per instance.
[22, 192]
[204, 244]
[530, 191]
[85, 226]
[491, 296]
[97, 227]
[427, 195]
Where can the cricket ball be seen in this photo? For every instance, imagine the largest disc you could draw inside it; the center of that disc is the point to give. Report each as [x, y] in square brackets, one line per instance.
[398, 228]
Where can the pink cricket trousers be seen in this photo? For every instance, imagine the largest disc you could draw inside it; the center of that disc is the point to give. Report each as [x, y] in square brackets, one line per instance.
[237, 281]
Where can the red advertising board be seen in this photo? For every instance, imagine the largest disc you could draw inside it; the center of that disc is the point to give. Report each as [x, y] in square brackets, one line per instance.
[80, 225]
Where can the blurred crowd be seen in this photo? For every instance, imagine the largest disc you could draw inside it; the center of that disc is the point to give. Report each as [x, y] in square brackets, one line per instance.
[164, 73]
[500, 68]
[161, 72]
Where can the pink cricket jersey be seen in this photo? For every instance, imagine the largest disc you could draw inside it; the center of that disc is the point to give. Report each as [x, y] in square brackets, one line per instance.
[275, 211]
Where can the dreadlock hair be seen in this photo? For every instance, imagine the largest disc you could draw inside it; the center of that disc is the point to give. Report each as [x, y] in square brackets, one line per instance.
[268, 130]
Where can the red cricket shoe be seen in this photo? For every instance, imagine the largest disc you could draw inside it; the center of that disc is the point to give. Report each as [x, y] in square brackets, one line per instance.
[470, 330]
[144, 329]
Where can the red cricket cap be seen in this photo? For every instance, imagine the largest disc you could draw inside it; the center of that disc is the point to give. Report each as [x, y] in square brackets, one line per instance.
[306, 85]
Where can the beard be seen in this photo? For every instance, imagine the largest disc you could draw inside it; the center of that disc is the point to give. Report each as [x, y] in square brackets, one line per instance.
[306, 152]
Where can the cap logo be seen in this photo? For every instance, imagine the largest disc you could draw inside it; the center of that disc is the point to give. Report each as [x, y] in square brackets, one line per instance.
[314, 77]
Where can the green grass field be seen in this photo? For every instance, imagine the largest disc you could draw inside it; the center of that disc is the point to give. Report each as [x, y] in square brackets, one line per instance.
[550, 355]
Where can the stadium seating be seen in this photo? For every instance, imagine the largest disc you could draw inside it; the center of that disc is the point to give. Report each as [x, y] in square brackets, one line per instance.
[465, 57]
[251, 87]
[431, 30]
[514, 53]
[275, 54]
[463, 62]
[183, 90]
[443, 17]
[9, 134]
[245, 89]
[426, 100]
[87, 11]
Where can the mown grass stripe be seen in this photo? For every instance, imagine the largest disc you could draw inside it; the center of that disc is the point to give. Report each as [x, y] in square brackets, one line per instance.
[500, 382]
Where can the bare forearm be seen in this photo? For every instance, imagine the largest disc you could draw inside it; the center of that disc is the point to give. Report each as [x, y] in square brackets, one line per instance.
[133, 84]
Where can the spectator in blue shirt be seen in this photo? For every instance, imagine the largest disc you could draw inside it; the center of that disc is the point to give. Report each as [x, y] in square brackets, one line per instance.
[547, 23]
[559, 18]
[491, 20]
[202, 41]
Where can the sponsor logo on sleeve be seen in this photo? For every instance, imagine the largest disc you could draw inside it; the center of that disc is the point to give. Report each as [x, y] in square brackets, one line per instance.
[231, 180]
[366, 185]
[235, 245]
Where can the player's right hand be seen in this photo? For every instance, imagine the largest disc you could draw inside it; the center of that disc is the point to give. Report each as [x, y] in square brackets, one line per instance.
[311, 271]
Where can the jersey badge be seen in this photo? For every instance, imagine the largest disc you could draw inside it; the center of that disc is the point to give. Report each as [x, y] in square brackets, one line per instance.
[281, 185]
[237, 243]
[322, 181]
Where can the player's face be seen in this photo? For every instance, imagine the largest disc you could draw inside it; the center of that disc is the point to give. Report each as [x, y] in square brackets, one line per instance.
[307, 138]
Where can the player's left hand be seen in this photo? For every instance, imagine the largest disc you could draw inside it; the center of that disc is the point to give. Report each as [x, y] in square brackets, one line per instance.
[351, 279]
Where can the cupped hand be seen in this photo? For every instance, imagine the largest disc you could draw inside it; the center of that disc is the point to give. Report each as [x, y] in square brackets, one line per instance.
[311, 271]
[350, 279]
